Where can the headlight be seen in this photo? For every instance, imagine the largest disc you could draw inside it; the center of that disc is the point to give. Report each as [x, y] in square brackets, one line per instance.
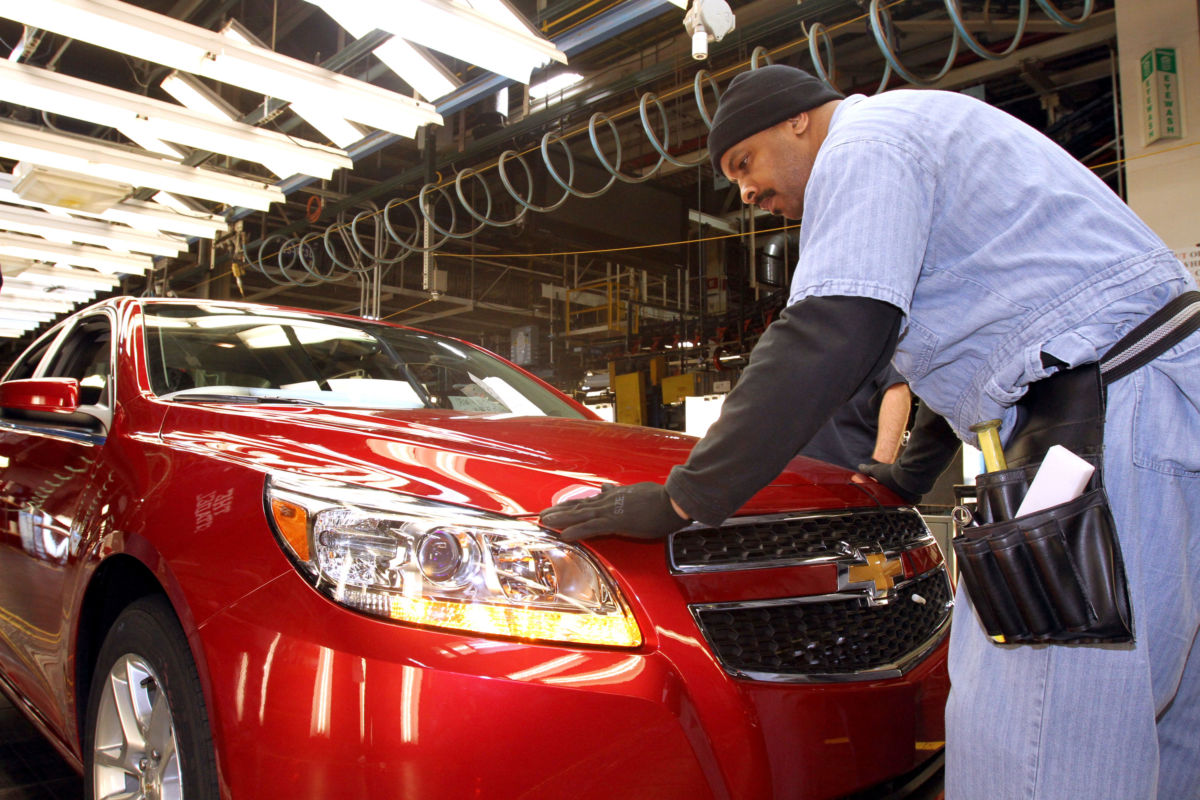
[421, 562]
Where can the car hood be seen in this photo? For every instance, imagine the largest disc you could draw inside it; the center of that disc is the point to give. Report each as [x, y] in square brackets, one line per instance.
[508, 465]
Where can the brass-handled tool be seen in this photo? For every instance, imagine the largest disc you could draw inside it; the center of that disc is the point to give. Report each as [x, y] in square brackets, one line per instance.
[988, 432]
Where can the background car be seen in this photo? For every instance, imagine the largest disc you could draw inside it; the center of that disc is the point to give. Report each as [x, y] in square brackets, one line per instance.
[257, 552]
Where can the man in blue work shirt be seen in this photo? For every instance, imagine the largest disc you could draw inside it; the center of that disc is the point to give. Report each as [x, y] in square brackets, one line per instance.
[980, 258]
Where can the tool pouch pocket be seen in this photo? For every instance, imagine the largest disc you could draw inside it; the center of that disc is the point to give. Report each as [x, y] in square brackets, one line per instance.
[1054, 576]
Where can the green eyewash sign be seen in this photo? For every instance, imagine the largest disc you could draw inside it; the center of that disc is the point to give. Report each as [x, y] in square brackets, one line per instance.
[1162, 116]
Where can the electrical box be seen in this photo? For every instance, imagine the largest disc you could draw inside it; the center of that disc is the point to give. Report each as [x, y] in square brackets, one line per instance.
[677, 387]
[630, 388]
[524, 340]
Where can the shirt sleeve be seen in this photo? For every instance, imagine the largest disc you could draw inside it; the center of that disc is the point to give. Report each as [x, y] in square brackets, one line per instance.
[868, 213]
[806, 364]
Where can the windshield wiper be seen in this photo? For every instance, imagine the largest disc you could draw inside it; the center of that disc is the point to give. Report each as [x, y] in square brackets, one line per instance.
[241, 398]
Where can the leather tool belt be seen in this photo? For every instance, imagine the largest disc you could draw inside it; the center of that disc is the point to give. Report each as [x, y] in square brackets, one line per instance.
[1056, 576]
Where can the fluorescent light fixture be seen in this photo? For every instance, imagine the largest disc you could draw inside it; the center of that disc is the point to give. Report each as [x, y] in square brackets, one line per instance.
[332, 125]
[496, 38]
[419, 70]
[152, 123]
[27, 303]
[84, 280]
[40, 184]
[156, 37]
[98, 258]
[12, 333]
[147, 142]
[190, 92]
[136, 214]
[337, 129]
[11, 315]
[102, 234]
[417, 67]
[150, 216]
[19, 289]
[108, 162]
[554, 84]
[199, 98]
[170, 201]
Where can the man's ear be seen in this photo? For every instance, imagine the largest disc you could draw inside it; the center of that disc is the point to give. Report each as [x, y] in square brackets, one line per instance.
[799, 123]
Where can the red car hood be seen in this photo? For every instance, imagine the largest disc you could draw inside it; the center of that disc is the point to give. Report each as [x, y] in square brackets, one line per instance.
[513, 466]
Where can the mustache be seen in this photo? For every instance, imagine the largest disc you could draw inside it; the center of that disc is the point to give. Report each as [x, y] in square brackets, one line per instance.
[764, 197]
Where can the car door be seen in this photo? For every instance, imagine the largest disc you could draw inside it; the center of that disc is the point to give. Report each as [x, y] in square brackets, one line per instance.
[46, 460]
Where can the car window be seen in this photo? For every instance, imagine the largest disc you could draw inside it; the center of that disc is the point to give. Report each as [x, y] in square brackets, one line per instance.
[26, 365]
[86, 355]
[210, 350]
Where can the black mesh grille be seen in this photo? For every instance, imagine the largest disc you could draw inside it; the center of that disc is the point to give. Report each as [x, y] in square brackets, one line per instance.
[796, 538]
[828, 637]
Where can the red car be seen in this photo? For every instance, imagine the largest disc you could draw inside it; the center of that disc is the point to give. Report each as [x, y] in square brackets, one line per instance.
[258, 552]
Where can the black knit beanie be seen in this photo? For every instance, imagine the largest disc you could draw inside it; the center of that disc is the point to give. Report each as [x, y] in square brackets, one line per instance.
[760, 98]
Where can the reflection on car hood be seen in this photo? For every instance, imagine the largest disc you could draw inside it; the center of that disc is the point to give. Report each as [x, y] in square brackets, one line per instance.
[513, 465]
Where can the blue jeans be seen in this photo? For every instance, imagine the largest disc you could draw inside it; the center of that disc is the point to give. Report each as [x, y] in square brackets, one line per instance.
[1060, 722]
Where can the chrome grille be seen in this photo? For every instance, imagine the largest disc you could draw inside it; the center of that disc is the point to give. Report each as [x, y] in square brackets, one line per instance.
[830, 637]
[777, 540]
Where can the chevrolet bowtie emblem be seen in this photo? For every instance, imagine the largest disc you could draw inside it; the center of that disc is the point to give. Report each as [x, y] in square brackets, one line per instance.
[879, 569]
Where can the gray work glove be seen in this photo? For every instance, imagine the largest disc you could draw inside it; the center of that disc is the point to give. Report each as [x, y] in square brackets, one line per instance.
[885, 474]
[639, 511]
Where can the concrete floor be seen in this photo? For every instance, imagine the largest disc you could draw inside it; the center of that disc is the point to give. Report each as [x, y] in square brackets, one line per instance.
[30, 769]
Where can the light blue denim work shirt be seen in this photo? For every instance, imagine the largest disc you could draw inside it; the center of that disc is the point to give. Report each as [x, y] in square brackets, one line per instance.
[995, 243]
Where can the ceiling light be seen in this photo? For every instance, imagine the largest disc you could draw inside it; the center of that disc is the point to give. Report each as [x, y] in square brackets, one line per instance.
[156, 37]
[38, 223]
[147, 142]
[419, 70]
[498, 40]
[146, 216]
[193, 94]
[108, 162]
[9, 316]
[136, 214]
[337, 129]
[151, 123]
[38, 184]
[19, 289]
[85, 280]
[331, 124]
[27, 303]
[554, 84]
[98, 258]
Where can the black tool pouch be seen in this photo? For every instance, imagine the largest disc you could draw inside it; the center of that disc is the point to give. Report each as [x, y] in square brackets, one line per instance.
[1054, 576]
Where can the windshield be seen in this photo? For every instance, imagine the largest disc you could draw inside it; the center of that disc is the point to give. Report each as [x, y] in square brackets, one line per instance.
[226, 353]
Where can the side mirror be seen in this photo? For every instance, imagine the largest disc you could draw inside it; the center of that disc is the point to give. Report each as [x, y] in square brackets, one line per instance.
[58, 395]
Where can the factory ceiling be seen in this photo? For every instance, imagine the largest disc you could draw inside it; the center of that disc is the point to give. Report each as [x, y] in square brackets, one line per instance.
[479, 207]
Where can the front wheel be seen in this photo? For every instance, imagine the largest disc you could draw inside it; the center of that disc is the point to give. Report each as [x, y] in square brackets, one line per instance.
[147, 735]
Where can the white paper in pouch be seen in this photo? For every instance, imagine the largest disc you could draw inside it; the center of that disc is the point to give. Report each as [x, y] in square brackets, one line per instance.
[1061, 478]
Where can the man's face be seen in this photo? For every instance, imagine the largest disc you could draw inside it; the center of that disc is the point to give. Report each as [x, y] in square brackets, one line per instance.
[772, 167]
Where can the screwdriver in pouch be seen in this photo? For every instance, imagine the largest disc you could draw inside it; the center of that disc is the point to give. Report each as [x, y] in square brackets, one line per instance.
[988, 432]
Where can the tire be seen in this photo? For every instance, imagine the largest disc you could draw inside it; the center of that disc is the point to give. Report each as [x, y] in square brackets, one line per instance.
[147, 735]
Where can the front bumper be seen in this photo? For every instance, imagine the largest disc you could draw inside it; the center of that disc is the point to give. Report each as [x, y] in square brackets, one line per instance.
[308, 699]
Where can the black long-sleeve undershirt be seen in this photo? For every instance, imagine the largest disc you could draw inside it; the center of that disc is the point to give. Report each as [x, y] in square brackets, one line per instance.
[807, 363]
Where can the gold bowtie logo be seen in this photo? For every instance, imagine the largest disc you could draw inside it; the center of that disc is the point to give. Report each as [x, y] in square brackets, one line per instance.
[879, 569]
